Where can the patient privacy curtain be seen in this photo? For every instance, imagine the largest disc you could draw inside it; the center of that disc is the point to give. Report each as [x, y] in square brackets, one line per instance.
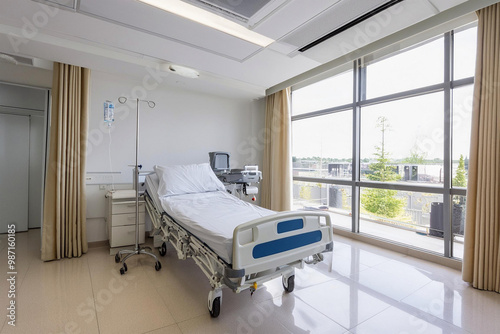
[481, 264]
[277, 169]
[64, 222]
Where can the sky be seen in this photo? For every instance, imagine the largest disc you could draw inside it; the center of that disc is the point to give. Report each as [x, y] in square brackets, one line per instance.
[415, 124]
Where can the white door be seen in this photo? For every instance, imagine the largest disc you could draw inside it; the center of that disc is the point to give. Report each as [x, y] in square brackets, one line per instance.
[37, 163]
[14, 171]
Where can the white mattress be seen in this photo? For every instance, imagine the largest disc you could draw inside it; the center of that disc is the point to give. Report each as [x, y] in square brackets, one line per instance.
[152, 184]
[211, 216]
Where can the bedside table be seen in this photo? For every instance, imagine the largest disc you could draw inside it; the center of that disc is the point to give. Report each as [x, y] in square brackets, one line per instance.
[121, 218]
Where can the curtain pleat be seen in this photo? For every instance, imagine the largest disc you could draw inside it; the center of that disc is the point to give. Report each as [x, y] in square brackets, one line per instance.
[481, 264]
[64, 224]
[277, 169]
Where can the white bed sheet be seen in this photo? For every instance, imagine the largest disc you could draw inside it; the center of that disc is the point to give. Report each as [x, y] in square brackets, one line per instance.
[211, 216]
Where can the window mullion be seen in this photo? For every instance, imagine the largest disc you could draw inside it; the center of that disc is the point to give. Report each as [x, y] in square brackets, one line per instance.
[447, 163]
[359, 91]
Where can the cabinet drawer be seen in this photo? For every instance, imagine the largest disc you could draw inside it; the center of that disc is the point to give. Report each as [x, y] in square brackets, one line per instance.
[127, 219]
[125, 235]
[126, 207]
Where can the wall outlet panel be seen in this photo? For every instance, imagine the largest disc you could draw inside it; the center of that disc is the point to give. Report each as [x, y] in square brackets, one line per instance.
[97, 178]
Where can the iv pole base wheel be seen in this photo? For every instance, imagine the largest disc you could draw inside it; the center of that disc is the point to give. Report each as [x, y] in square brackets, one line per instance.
[130, 253]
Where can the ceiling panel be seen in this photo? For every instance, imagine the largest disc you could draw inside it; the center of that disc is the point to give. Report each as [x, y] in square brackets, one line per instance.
[291, 16]
[128, 37]
[445, 4]
[67, 4]
[163, 24]
[383, 24]
[329, 20]
[246, 9]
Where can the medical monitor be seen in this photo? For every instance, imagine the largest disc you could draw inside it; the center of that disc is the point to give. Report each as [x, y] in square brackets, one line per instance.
[219, 161]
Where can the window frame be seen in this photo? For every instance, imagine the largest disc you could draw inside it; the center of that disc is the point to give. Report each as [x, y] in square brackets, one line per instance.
[359, 101]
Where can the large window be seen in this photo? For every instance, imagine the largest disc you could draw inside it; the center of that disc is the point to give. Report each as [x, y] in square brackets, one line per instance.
[406, 137]
[465, 44]
[462, 114]
[406, 181]
[325, 94]
[322, 146]
[415, 68]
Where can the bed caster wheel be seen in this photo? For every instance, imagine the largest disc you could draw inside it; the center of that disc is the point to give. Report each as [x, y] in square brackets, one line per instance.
[158, 265]
[288, 283]
[122, 271]
[214, 302]
[215, 311]
[163, 249]
[117, 258]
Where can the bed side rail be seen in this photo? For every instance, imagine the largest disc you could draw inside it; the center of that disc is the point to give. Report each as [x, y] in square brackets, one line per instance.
[274, 241]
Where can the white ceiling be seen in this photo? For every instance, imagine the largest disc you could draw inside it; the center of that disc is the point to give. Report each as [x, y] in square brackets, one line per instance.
[129, 37]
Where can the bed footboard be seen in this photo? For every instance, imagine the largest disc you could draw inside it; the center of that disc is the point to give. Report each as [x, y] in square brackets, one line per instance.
[277, 240]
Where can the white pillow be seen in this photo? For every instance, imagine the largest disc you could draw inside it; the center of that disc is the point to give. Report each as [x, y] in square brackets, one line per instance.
[187, 179]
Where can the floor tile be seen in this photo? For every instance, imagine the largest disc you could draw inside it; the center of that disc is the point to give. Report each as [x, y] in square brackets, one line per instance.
[172, 329]
[298, 317]
[52, 299]
[463, 306]
[358, 288]
[247, 318]
[362, 257]
[394, 320]
[340, 263]
[390, 280]
[127, 303]
[343, 301]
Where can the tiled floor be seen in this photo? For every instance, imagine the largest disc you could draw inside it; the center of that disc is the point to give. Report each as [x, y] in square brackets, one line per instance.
[363, 289]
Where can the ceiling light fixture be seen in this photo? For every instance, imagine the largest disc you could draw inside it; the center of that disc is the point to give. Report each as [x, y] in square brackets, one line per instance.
[184, 71]
[211, 20]
[8, 59]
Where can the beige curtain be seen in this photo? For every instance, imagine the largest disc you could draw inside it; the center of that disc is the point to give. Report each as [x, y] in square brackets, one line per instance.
[481, 265]
[277, 169]
[64, 222]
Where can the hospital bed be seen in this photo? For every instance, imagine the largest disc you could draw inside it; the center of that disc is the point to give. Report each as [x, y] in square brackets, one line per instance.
[236, 244]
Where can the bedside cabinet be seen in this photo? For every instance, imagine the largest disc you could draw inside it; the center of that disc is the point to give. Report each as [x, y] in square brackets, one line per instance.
[121, 218]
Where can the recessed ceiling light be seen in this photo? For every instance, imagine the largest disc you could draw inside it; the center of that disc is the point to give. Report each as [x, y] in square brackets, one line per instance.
[209, 19]
[184, 71]
[8, 59]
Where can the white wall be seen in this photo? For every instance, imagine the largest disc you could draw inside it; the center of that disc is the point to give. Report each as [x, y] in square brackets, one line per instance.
[182, 128]
[25, 75]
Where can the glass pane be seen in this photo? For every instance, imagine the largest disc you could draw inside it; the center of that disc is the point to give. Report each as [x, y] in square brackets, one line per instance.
[465, 44]
[411, 218]
[328, 93]
[458, 223]
[322, 146]
[462, 116]
[418, 67]
[402, 141]
[326, 197]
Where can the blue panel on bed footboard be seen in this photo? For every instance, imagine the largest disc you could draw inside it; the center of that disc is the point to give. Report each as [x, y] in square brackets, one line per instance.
[290, 225]
[286, 244]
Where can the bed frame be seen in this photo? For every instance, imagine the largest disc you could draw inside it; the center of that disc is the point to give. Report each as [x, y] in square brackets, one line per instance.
[263, 249]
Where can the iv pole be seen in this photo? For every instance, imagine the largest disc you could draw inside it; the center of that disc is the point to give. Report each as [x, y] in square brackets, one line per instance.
[137, 250]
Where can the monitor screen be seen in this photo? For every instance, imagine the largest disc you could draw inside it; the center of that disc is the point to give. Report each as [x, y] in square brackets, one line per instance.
[219, 161]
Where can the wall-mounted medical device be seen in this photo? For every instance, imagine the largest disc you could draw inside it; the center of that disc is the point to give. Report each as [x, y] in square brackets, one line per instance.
[219, 161]
[237, 181]
[109, 112]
